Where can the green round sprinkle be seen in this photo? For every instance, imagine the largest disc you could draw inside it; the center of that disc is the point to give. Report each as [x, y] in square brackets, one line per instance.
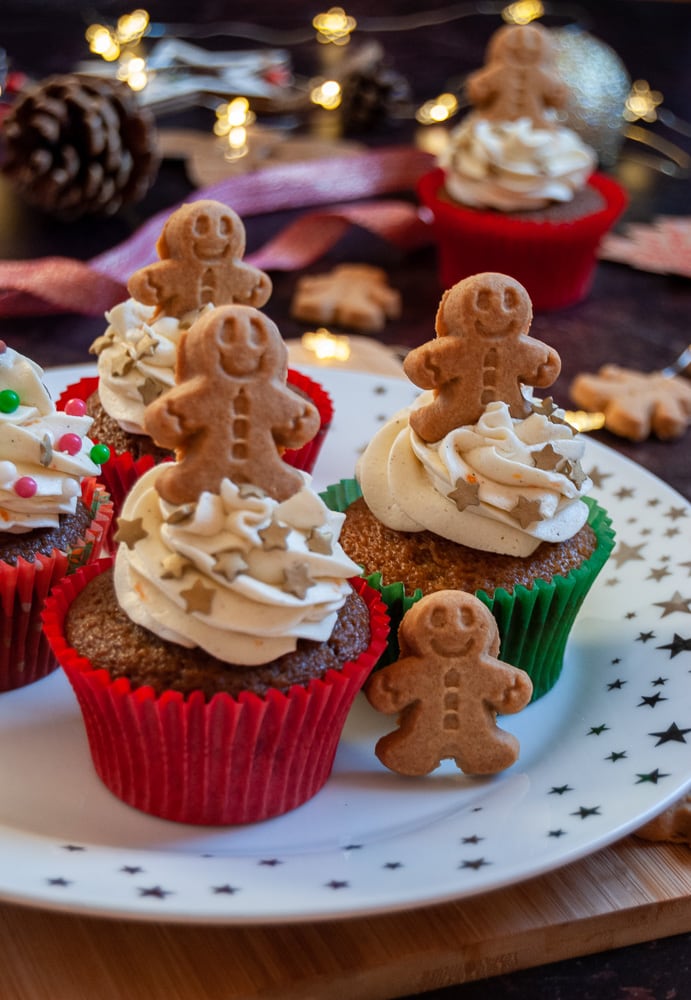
[9, 401]
[99, 454]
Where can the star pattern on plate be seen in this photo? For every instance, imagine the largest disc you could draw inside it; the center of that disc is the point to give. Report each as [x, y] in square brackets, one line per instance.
[675, 603]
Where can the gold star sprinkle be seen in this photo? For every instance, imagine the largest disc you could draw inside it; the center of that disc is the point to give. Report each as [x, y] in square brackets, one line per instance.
[100, 344]
[46, 451]
[122, 362]
[526, 511]
[229, 564]
[547, 458]
[198, 598]
[297, 579]
[574, 471]
[149, 390]
[145, 346]
[320, 542]
[465, 494]
[181, 513]
[130, 532]
[174, 566]
[275, 536]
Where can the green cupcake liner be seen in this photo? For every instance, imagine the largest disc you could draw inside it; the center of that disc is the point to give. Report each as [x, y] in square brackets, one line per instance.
[534, 622]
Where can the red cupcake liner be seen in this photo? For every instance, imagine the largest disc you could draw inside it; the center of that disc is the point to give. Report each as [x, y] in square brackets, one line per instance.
[554, 261]
[25, 655]
[300, 458]
[225, 761]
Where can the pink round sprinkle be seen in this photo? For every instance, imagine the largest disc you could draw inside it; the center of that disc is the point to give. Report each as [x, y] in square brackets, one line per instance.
[25, 487]
[3, 346]
[71, 443]
[75, 407]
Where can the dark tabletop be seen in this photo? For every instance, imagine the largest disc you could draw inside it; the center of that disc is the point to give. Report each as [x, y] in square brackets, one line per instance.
[633, 318]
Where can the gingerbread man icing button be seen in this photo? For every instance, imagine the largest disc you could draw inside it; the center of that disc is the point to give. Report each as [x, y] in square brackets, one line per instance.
[231, 413]
[482, 354]
[518, 79]
[448, 687]
[201, 249]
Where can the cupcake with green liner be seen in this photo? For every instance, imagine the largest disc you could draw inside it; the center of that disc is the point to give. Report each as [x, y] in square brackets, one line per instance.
[54, 515]
[216, 661]
[478, 485]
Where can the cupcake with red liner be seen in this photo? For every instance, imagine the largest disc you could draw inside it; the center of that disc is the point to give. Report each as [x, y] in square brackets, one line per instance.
[53, 514]
[200, 266]
[216, 660]
[516, 191]
[478, 486]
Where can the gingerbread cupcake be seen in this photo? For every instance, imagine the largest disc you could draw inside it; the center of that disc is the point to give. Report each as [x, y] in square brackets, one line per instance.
[479, 486]
[215, 663]
[200, 249]
[53, 515]
[516, 191]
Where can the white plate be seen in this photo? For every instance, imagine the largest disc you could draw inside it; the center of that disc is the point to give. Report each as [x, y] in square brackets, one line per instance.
[604, 751]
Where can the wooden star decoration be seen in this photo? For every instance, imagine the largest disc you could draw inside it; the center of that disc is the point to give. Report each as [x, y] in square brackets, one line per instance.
[149, 390]
[130, 531]
[275, 536]
[465, 494]
[547, 458]
[174, 566]
[320, 542]
[229, 564]
[46, 451]
[297, 579]
[526, 511]
[198, 597]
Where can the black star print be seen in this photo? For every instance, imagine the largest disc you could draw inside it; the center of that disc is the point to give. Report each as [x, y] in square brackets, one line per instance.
[380, 390]
[653, 777]
[645, 636]
[585, 811]
[392, 865]
[62, 882]
[224, 890]
[353, 847]
[475, 864]
[270, 862]
[472, 840]
[616, 755]
[672, 735]
[617, 659]
[73, 847]
[598, 730]
[560, 789]
[616, 685]
[659, 682]
[629, 615]
[336, 884]
[156, 891]
[131, 870]
[677, 645]
[556, 833]
[651, 700]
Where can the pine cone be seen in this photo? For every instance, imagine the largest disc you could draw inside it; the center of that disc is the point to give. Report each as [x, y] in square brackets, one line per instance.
[370, 90]
[78, 145]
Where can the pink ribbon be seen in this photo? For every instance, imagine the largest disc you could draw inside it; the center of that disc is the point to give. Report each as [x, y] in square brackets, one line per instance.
[62, 284]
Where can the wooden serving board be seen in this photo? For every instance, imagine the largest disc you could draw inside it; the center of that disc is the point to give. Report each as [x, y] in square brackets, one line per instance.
[628, 893]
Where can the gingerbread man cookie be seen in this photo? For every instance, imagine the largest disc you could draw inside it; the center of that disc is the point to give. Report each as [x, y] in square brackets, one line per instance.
[518, 79]
[636, 403]
[448, 687]
[200, 247]
[231, 413]
[352, 295]
[482, 354]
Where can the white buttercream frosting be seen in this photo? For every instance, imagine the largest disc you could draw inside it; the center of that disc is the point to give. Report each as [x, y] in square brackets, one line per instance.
[136, 360]
[238, 574]
[516, 482]
[30, 450]
[514, 165]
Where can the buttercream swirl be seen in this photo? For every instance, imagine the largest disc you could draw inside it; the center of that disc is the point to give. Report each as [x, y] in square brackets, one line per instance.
[514, 165]
[39, 477]
[136, 360]
[501, 485]
[238, 574]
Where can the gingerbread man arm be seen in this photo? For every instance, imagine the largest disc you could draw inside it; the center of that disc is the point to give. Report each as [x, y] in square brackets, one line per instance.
[508, 689]
[553, 91]
[434, 363]
[542, 363]
[483, 85]
[383, 691]
[169, 420]
[297, 420]
[145, 285]
[253, 286]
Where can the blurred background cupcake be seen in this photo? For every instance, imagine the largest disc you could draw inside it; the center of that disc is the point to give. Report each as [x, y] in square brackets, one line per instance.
[53, 514]
[515, 190]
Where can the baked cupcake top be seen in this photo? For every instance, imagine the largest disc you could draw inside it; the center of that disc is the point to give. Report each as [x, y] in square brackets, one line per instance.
[44, 453]
[477, 459]
[229, 548]
[200, 266]
[511, 153]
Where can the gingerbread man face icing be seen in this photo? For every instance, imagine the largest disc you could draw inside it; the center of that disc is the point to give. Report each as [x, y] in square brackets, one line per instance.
[518, 80]
[231, 413]
[482, 354]
[448, 687]
[201, 247]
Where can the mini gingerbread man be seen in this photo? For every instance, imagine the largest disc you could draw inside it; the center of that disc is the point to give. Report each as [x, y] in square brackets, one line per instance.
[231, 412]
[448, 686]
[518, 79]
[200, 247]
[482, 354]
